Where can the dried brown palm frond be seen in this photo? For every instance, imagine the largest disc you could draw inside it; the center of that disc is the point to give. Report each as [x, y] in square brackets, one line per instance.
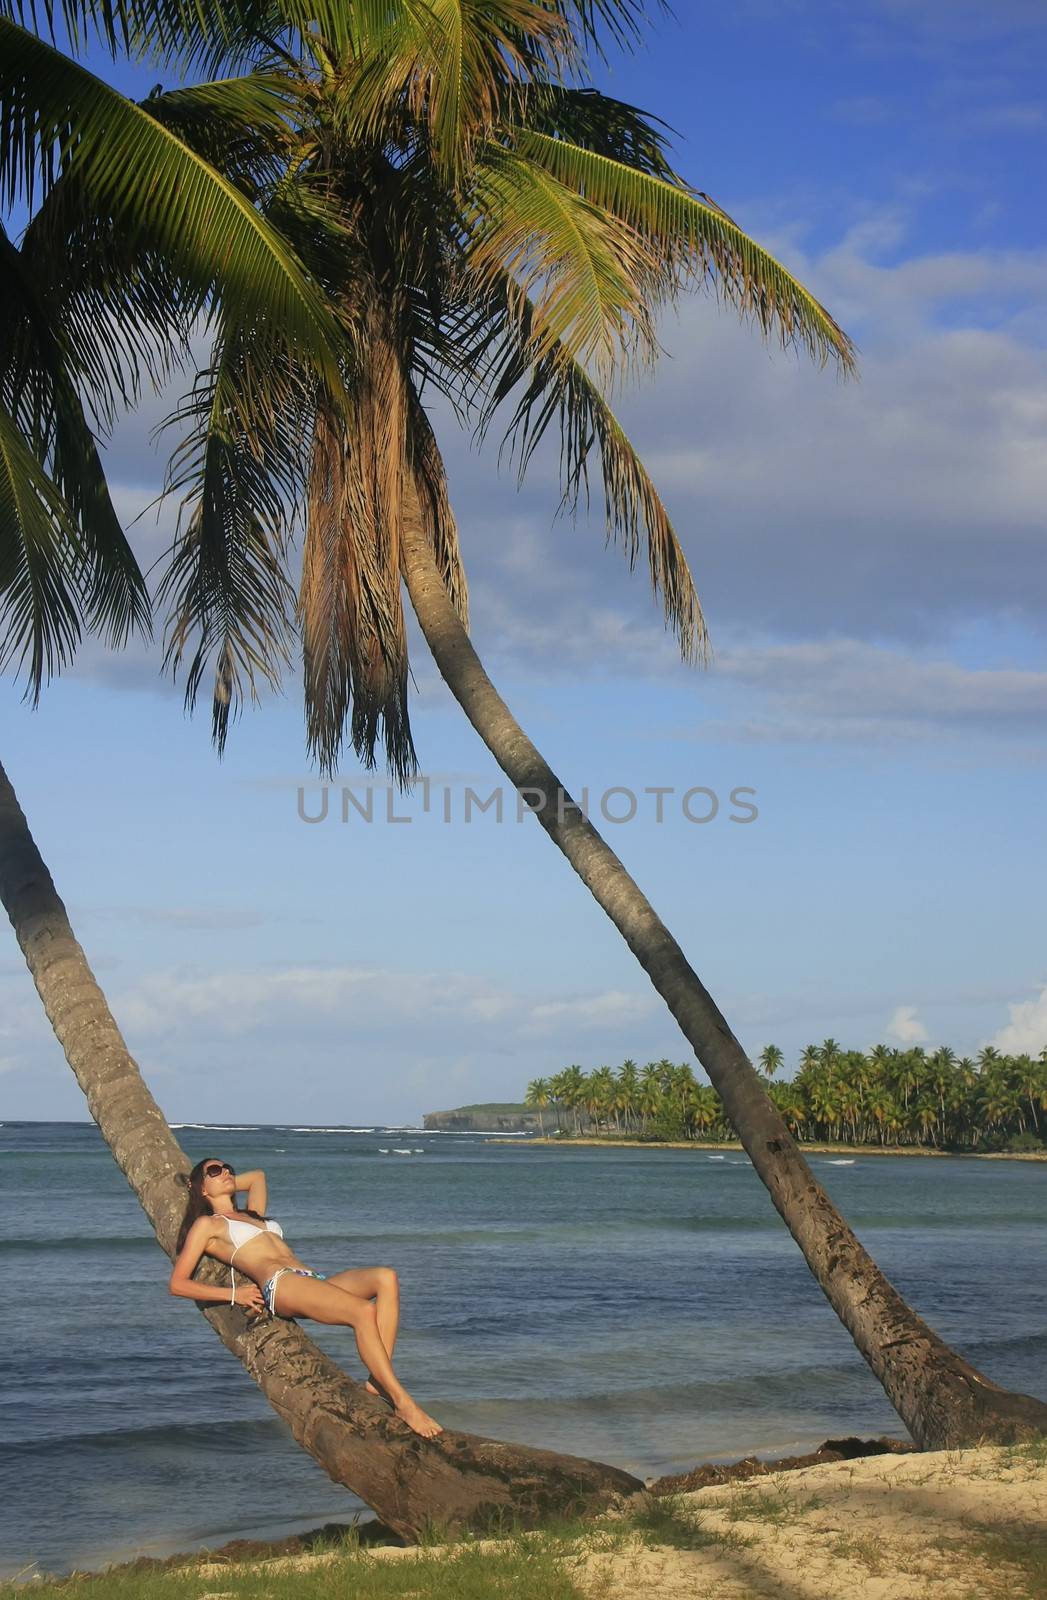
[354, 638]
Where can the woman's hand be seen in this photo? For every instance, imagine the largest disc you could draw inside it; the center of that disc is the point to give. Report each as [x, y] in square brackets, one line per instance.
[250, 1298]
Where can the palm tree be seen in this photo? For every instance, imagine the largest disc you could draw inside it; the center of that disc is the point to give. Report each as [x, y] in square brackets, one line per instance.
[706, 1108]
[771, 1058]
[538, 1096]
[558, 1093]
[1030, 1081]
[573, 1083]
[508, 238]
[352, 1436]
[628, 1091]
[649, 1101]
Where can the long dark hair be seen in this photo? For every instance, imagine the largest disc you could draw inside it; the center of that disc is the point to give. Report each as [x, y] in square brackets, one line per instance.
[198, 1204]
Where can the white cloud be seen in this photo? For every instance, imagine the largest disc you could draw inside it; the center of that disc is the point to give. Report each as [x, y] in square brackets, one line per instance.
[193, 919]
[846, 689]
[239, 1003]
[1026, 1033]
[905, 1026]
[593, 1010]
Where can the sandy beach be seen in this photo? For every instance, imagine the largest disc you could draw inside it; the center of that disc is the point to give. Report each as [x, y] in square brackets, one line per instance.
[950, 1525]
[940, 1526]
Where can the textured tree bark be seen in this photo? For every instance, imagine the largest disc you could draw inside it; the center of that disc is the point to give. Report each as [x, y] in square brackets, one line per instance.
[942, 1400]
[456, 1480]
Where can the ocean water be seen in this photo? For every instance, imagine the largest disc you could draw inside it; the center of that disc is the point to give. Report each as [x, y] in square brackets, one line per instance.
[645, 1308]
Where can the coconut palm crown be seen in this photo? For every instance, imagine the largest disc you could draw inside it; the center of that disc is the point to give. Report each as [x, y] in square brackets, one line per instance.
[491, 229]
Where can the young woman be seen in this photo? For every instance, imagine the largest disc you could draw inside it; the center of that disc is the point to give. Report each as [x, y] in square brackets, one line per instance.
[366, 1300]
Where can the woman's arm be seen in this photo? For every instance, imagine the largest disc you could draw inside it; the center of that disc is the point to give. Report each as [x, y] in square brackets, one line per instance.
[181, 1281]
[257, 1192]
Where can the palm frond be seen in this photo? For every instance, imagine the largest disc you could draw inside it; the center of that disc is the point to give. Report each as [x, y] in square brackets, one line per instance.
[588, 279]
[42, 565]
[239, 470]
[598, 122]
[623, 21]
[354, 638]
[124, 313]
[56, 116]
[451, 65]
[243, 126]
[39, 393]
[183, 34]
[699, 240]
[556, 389]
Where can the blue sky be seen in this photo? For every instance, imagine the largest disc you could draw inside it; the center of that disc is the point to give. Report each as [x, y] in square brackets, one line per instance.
[870, 560]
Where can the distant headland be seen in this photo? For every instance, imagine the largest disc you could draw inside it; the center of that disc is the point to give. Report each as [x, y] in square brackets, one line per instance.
[490, 1118]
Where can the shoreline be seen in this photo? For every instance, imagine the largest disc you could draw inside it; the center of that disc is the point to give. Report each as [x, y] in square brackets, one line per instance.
[376, 1537]
[889, 1524]
[596, 1140]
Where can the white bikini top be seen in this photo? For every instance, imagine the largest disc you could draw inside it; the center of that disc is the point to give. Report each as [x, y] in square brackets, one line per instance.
[240, 1232]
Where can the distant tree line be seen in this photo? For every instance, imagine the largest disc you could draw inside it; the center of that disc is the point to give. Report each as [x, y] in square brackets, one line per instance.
[883, 1096]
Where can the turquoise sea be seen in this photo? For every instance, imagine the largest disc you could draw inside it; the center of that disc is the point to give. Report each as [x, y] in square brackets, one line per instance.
[644, 1307]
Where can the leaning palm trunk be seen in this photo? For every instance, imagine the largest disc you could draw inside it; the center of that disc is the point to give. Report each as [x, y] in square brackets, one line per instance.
[456, 1480]
[942, 1400]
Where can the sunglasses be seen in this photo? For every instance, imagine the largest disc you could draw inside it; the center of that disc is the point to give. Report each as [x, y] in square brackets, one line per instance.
[215, 1168]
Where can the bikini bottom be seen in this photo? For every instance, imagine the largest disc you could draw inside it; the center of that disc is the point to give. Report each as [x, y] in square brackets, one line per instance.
[269, 1291]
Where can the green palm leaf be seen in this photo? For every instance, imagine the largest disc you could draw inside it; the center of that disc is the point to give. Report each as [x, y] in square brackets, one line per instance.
[557, 389]
[451, 65]
[239, 469]
[242, 126]
[622, 20]
[597, 122]
[56, 116]
[38, 391]
[632, 504]
[698, 239]
[585, 278]
[184, 33]
[42, 564]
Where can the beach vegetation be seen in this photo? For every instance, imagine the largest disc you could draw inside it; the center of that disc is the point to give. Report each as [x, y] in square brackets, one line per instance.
[668, 1520]
[518, 1570]
[1013, 1554]
[775, 1504]
[884, 1096]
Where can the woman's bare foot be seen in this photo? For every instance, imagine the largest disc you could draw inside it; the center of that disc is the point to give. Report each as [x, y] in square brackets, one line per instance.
[417, 1419]
[375, 1389]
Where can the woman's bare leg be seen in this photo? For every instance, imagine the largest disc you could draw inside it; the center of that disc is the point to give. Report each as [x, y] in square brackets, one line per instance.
[326, 1302]
[382, 1285]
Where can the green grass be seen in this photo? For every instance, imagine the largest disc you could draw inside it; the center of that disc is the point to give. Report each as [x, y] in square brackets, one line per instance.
[542, 1565]
[524, 1570]
[1020, 1549]
[1016, 1556]
[527, 1566]
[664, 1520]
[1031, 1453]
[775, 1506]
